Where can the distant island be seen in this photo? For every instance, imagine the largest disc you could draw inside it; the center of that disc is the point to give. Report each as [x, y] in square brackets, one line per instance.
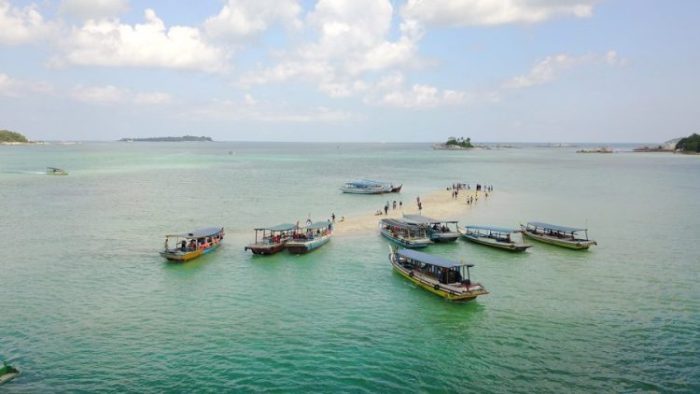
[602, 149]
[455, 144]
[186, 138]
[690, 144]
[8, 137]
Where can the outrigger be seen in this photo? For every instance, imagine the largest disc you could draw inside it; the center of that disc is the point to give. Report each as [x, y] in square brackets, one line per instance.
[438, 230]
[566, 237]
[404, 234]
[448, 279]
[496, 237]
[311, 237]
[270, 240]
[189, 246]
[7, 372]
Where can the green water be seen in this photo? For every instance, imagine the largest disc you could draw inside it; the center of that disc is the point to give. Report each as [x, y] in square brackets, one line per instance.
[86, 303]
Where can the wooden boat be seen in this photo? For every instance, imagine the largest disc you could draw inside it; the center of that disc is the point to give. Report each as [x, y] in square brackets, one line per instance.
[310, 237]
[496, 237]
[404, 234]
[270, 240]
[55, 171]
[7, 372]
[438, 230]
[448, 279]
[189, 246]
[566, 237]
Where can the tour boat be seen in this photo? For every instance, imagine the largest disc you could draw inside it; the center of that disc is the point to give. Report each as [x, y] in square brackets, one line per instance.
[368, 186]
[55, 171]
[438, 230]
[566, 237]
[404, 234]
[270, 240]
[446, 278]
[189, 246]
[496, 237]
[7, 372]
[310, 237]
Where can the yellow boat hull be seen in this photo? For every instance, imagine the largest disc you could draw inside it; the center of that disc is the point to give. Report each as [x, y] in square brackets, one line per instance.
[440, 291]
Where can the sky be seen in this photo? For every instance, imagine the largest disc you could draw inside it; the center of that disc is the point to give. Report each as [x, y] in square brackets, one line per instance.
[351, 70]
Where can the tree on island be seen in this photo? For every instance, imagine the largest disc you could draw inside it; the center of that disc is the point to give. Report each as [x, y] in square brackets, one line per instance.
[11, 136]
[689, 144]
[461, 141]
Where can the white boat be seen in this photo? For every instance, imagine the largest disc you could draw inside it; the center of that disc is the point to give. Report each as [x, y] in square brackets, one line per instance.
[566, 237]
[404, 234]
[438, 230]
[309, 238]
[496, 237]
[367, 186]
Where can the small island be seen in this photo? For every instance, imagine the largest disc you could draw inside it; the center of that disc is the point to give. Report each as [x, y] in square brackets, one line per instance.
[186, 138]
[690, 144]
[602, 149]
[8, 137]
[455, 144]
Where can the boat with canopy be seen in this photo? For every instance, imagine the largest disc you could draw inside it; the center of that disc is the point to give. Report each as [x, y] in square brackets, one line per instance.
[55, 171]
[566, 237]
[368, 186]
[496, 237]
[446, 278]
[189, 246]
[404, 234]
[311, 237]
[7, 372]
[270, 240]
[438, 230]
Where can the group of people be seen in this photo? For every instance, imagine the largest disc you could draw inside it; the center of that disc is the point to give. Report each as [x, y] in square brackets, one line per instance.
[194, 244]
[388, 206]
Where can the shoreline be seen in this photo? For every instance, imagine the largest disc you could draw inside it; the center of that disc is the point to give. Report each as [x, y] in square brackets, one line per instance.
[438, 205]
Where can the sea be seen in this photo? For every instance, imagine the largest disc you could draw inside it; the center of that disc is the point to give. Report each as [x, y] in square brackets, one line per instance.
[88, 305]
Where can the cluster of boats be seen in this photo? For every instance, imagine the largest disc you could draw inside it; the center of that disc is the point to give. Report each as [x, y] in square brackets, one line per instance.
[417, 231]
[368, 186]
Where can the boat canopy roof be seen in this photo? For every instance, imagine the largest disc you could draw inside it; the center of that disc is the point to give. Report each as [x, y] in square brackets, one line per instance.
[279, 227]
[54, 169]
[504, 230]
[318, 225]
[364, 183]
[436, 261]
[397, 223]
[199, 233]
[370, 181]
[420, 219]
[555, 227]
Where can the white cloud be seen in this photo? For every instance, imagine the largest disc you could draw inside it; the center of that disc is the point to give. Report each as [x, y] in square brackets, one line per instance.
[352, 40]
[551, 67]
[390, 92]
[110, 94]
[228, 110]
[13, 87]
[243, 18]
[21, 25]
[94, 9]
[493, 12]
[151, 44]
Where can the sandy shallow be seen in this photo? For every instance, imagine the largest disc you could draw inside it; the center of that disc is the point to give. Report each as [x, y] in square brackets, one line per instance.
[437, 205]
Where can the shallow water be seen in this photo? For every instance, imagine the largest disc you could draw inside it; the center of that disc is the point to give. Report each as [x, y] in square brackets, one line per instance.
[87, 304]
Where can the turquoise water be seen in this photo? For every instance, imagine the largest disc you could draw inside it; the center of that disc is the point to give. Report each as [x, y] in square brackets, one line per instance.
[88, 305]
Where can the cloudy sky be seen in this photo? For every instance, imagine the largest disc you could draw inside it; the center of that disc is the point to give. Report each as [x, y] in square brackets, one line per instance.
[351, 70]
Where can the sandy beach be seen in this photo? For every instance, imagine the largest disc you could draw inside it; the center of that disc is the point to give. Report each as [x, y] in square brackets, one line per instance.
[438, 204]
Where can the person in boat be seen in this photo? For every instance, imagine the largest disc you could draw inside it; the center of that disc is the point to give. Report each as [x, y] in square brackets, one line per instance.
[193, 244]
[166, 244]
[308, 221]
[183, 246]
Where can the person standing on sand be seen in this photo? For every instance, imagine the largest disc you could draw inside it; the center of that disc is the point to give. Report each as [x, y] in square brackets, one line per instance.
[400, 204]
[386, 208]
[333, 217]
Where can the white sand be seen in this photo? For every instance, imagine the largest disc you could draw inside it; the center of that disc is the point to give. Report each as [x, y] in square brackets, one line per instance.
[437, 205]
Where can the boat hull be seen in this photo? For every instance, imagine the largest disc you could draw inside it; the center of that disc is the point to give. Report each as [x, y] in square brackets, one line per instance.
[265, 249]
[509, 246]
[575, 245]
[180, 257]
[302, 247]
[8, 376]
[444, 237]
[407, 243]
[437, 288]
